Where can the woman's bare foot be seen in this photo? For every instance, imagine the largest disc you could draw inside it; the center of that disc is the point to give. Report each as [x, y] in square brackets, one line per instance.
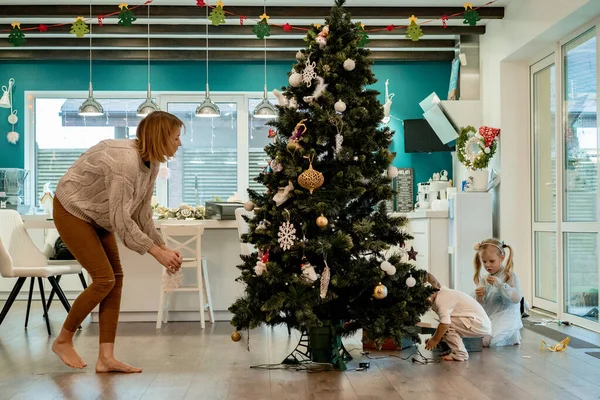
[112, 365]
[63, 348]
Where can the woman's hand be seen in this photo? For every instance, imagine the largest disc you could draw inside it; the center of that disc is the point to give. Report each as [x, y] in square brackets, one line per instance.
[431, 343]
[480, 293]
[164, 247]
[169, 259]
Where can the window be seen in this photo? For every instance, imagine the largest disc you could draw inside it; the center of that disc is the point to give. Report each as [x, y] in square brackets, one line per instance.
[206, 165]
[581, 133]
[581, 274]
[258, 138]
[61, 135]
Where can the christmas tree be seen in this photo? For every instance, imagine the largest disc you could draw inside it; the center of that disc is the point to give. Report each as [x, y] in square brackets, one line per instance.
[329, 255]
[79, 28]
[16, 36]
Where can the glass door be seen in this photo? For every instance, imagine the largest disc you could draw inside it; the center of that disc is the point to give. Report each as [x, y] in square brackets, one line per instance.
[580, 198]
[544, 207]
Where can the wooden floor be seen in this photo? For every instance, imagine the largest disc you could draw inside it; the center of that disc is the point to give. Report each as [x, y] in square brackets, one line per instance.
[181, 361]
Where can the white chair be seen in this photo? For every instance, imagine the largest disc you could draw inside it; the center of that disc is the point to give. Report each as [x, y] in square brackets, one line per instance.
[187, 239]
[240, 212]
[21, 259]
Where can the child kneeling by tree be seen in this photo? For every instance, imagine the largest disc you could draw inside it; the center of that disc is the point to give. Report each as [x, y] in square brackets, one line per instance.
[460, 316]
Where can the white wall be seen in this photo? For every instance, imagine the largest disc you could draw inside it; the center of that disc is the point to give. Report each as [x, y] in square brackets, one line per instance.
[528, 33]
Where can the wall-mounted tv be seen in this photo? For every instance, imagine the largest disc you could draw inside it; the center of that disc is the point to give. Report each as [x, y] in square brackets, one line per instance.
[419, 137]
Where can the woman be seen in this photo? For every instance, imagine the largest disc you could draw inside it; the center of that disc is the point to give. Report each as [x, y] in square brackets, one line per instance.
[108, 190]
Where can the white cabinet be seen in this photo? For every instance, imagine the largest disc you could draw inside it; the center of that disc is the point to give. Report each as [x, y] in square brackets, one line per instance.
[430, 231]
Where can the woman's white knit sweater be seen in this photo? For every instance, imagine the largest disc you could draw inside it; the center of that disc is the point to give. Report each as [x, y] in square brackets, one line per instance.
[109, 185]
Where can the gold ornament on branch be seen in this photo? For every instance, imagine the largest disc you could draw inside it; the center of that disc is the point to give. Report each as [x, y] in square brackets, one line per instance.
[311, 179]
[380, 292]
[322, 221]
[236, 337]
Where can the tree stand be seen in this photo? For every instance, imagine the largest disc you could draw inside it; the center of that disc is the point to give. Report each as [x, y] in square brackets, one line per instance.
[321, 345]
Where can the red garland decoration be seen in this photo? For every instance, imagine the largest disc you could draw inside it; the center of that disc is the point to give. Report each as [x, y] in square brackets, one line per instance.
[445, 20]
[489, 134]
[287, 27]
[42, 28]
[242, 19]
[200, 3]
[390, 28]
[100, 20]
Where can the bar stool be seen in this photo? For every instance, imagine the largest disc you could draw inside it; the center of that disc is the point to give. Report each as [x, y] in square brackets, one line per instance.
[186, 239]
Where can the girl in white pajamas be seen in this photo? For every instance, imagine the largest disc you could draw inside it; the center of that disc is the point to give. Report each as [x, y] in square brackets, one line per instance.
[498, 291]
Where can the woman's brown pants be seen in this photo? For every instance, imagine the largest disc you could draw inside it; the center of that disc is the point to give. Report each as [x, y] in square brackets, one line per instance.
[96, 250]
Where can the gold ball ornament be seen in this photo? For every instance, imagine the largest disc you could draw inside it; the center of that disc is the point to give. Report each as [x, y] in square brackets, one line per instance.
[380, 291]
[236, 337]
[311, 179]
[322, 221]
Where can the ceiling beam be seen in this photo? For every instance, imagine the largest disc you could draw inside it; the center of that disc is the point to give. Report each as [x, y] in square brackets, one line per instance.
[194, 55]
[383, 13]
[250, 42]
[141, 29]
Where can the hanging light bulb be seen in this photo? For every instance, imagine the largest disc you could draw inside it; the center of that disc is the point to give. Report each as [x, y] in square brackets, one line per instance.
[207, 109]
[148, 106]
[265, 109]
[90, 107]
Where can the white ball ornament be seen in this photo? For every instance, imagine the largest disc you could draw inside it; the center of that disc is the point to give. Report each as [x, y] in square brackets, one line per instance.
[249, 206]
[392, 172]
[410, 281]
[388, 268]
[295, 79]
[300, 56]
[349, 65]
[340, 106]
[487, 150]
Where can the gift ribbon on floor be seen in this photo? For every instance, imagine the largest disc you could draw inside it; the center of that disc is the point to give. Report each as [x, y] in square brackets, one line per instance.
[560, 346]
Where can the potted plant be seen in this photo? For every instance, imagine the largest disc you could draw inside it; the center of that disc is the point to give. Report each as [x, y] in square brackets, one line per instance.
[475, 150]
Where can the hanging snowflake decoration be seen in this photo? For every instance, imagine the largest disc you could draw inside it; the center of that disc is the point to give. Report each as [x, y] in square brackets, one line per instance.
[170, 282]
[287, 235]
[309, 73]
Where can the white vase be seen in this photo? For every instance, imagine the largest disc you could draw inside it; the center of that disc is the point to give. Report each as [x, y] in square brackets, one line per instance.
[481, 179]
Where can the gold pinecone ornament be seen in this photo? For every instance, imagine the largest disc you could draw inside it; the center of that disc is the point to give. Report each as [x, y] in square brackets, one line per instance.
[311, 179]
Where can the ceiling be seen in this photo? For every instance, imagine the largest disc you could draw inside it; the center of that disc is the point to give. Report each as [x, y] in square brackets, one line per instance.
[177, 29]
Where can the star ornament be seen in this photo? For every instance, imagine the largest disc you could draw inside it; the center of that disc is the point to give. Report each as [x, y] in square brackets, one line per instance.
[200, 3]
[17, 24]
[219, 4]
[42, 28]
[264, 17]
[362, 26]
[413, 19]
[412, 254]
[468, 5]
[390, 28]
[123, 5]
[287, 27]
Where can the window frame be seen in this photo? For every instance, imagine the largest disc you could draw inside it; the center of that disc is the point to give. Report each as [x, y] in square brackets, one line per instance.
[162, 98]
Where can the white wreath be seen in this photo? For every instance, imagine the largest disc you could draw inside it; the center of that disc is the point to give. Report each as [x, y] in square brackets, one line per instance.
[471, 155]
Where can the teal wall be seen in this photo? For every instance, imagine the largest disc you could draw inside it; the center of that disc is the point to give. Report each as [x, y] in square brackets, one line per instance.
[411, 82]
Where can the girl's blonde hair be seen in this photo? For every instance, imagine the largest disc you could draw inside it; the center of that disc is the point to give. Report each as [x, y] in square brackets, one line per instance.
[499, 246]
[154, 133]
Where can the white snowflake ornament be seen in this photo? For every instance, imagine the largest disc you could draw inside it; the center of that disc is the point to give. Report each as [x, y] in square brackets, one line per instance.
[309, 73]
[287, 235]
